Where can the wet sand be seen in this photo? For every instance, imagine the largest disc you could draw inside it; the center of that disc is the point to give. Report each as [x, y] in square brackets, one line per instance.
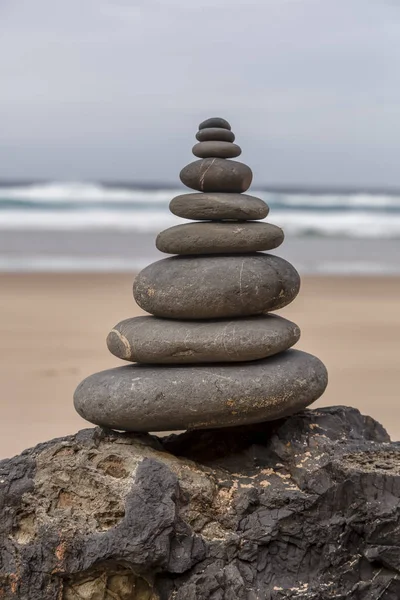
[53, 329]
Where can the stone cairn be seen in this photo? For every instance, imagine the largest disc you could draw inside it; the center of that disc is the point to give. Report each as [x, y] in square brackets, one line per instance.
[212, 355]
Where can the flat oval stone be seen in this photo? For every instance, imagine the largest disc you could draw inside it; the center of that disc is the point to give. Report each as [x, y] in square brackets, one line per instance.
[213, 287]
[215, 238]
[217, 175]
[215, 133]
[165, 398]
[216, 206]
[216, 149]
[215, 122]
[165, 341]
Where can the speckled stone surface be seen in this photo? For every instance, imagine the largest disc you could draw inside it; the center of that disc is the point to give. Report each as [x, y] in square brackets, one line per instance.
[162, 398]
[213, 238]
[207, 287]
[215, 122]
[219, 206]
[215, 133]
[217, 175]
[166, 341]
[216, 149]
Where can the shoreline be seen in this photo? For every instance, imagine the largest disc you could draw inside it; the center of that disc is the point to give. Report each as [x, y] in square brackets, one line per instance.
[54, 328]
[119, 251]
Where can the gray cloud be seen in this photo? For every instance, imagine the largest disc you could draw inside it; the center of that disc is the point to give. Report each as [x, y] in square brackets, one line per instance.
[115, 89]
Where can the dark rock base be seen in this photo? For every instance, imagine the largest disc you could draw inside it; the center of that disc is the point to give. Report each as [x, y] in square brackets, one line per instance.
[306, 508]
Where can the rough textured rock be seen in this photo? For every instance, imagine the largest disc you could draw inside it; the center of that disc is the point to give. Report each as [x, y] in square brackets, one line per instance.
[170, 398]
[214, 238]
[215, 133]
[217, 175]
[216, 149]
[306, 508]
[216, 206]
[166, 341]
[229, 285]
[214, 122]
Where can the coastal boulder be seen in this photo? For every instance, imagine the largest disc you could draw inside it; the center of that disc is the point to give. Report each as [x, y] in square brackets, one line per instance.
[304, 508]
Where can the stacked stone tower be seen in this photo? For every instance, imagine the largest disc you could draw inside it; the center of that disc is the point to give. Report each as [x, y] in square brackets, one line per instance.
[211, 355]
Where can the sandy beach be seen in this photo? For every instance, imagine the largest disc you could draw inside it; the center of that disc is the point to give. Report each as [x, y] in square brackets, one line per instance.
[53, 329]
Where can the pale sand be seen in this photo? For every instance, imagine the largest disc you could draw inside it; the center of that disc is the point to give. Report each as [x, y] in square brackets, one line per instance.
[53, 330]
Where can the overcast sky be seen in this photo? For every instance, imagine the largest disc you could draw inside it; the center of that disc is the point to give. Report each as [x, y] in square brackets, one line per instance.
[115, 89]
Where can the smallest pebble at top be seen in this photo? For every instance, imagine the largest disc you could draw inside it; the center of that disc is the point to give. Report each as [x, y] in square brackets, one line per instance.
[215, 122]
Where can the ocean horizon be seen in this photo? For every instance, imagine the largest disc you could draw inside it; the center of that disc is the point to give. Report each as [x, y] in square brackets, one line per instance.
[63, 226]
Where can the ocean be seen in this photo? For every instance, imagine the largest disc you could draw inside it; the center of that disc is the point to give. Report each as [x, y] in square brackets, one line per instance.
[91, 226]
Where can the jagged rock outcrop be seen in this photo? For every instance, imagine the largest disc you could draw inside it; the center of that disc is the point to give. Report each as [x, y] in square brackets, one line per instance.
[306, 508]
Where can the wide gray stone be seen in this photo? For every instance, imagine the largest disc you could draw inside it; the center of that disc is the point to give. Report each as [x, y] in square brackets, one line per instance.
[165, 341]
[215, 133]
[215, 122]
[219, 206]
[217, 175]
[214, 238]
[216, 149]
[206, 287]
[162, 398]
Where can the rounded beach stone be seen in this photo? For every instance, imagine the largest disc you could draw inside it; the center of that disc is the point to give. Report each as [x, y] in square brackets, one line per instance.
[215, 122]
[216, 206]
[215, 238]
[207, 287]
[165, 341]
[215, 134]
[164, 397]
[217, 175]
[216, 149]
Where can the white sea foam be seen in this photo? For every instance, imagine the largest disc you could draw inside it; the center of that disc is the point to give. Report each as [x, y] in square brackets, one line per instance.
[339, 224]
[360, 224]
[82, 193]
[81, 206]
[320, 222]
[338, 201]
[64, 220]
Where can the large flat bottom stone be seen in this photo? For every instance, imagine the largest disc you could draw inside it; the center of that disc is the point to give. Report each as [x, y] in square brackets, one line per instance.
[162, 398]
